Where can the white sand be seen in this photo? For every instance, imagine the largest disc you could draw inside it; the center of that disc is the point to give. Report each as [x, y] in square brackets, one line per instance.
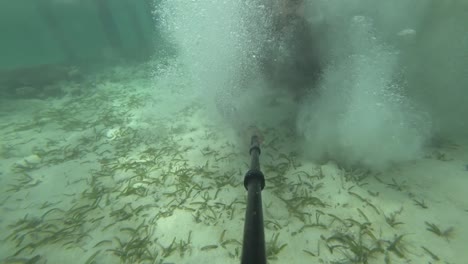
[61, 164]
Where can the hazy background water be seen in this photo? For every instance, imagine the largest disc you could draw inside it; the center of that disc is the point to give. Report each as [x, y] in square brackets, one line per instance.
[76, 32]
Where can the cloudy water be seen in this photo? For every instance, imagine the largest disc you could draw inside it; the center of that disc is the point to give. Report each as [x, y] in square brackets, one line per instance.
[125, 129]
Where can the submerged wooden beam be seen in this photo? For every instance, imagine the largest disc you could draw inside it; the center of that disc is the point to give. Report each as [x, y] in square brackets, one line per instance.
[43, 8]
[143, 41]
[109, 27]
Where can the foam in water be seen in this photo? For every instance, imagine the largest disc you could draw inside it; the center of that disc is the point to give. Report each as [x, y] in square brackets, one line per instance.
[222, 46]
[361, 115]
[372, 106]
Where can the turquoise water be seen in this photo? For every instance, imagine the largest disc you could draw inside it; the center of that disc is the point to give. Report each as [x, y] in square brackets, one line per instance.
[125, 128]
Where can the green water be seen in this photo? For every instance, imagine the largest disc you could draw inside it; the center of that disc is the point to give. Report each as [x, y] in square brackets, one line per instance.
[71, 32]
[125, 128]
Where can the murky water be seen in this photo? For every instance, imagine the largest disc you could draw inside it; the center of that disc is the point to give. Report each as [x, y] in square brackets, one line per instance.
[125, 130]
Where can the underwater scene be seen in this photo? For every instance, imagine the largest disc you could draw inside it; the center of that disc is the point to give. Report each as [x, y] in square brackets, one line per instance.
[233, 131]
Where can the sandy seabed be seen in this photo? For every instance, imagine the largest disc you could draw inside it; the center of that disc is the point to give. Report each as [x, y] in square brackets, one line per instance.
[129, 172]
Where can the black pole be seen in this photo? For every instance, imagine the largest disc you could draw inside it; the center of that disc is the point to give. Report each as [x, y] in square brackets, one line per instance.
[253, 248]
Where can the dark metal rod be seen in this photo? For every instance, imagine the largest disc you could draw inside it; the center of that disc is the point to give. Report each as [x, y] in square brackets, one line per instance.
[253, 248]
